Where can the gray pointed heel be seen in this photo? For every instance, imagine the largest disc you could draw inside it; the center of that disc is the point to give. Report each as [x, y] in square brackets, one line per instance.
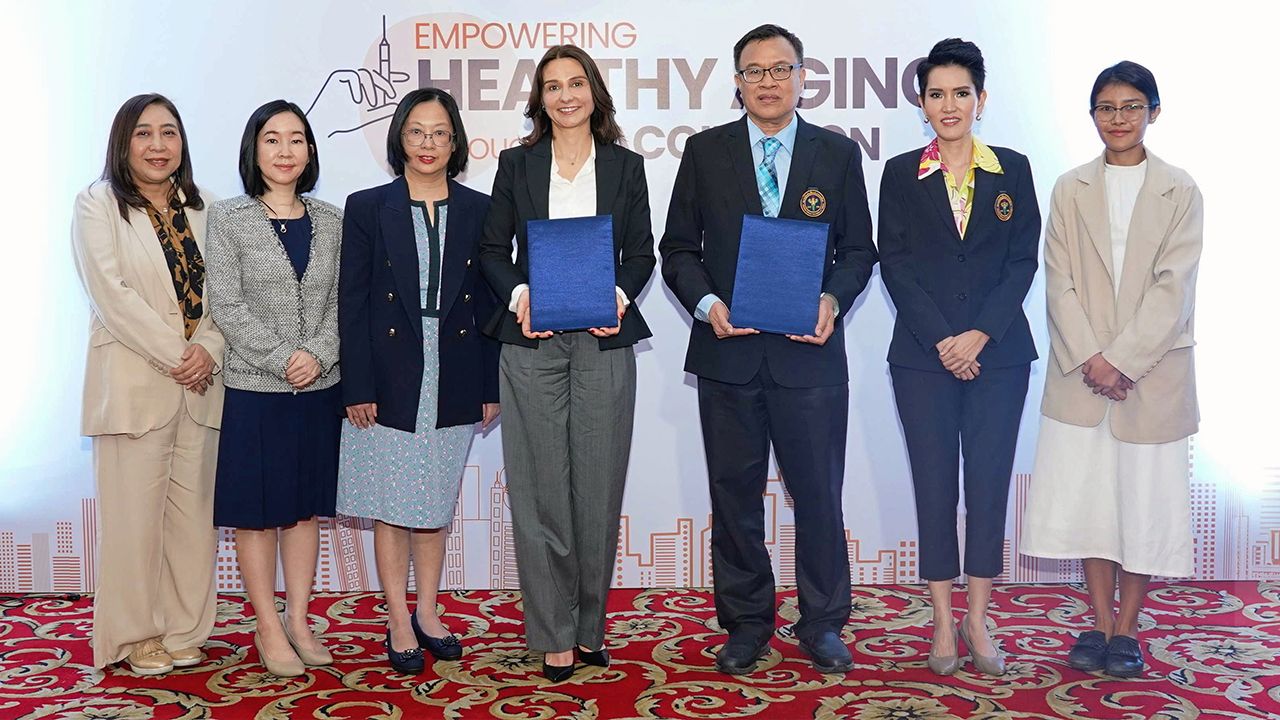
[946, 664]
[985, 664]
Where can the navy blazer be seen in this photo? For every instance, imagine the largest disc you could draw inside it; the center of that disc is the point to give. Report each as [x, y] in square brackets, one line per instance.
[521, 191]
[714, 189]
[943, 285]
[380, 318]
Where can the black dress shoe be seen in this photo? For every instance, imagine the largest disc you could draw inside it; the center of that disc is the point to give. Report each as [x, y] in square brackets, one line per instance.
[1124, 657]
[1090, 651]
[408, 662]
[557, 673]
[599, 658]
[740, 653]
[828, 652]
[445, 648]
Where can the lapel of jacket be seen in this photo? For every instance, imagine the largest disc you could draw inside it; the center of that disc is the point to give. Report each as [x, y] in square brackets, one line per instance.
[402, 247]
[1152, 214]
[537, 167]
[608, 178]
[803, 154]
[145, 235]
[935, 187]
[738, 147]
[1091, 204]
[460, 233]
[982, 212]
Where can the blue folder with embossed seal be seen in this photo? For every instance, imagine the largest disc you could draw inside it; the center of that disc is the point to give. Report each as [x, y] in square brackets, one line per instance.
[571, 274]
[779, 279]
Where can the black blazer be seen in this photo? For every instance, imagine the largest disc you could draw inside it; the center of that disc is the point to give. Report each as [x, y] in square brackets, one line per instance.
[715, 187]
[520, 194]
[942, 285]
[380, 319]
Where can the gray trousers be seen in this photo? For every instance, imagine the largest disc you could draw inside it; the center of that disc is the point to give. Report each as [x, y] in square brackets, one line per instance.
[567, 413]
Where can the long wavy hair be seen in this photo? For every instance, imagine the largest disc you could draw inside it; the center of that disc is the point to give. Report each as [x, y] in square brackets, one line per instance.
[604, 128]
[116, 169]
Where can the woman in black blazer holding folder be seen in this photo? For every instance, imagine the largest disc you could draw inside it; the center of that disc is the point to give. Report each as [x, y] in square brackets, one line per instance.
[569, 397]
[416, 373]
[959, 230]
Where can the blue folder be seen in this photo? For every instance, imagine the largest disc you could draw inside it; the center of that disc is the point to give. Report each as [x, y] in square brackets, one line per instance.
[571, 274]
[779, 278]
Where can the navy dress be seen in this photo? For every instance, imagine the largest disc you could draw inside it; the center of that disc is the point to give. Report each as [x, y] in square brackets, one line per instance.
[278, 454]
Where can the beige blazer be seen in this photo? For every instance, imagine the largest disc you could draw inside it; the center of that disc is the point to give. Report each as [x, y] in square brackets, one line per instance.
[135, 328]
[1145, 330]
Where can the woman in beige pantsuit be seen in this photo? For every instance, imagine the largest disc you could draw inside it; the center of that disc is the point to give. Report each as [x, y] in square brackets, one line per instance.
[152, 400]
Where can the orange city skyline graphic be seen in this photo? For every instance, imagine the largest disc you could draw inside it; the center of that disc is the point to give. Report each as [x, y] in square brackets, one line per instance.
[1236, 537]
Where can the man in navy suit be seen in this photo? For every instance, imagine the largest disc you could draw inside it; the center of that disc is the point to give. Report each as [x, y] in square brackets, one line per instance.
[754, 388]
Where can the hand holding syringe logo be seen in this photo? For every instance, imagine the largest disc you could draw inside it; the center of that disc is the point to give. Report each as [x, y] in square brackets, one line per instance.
[373, 90]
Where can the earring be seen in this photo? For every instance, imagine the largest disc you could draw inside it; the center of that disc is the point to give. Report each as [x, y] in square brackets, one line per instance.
[979, 116]
[926, 121]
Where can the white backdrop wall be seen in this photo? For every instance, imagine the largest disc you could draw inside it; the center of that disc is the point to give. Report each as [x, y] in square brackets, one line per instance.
[669, 67]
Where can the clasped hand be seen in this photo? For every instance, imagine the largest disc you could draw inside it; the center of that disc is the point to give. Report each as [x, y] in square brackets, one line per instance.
[1105, 379]
[302, 369]
[196, 371]
[959, 353]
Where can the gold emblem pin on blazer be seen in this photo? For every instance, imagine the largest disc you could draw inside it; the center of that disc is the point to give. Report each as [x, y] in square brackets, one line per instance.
[1004, 207]
[813, 203]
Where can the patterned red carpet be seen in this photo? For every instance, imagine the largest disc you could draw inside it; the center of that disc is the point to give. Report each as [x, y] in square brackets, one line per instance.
[1212, 653]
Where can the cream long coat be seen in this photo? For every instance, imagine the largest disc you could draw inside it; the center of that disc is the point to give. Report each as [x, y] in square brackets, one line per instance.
[1146, 330]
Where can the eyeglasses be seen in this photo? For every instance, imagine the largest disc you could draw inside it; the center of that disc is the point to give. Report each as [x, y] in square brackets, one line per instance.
[417, 137]
[777, 72]
[1107, 113]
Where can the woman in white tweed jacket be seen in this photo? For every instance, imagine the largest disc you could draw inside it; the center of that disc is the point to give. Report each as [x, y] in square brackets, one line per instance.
[273, 279]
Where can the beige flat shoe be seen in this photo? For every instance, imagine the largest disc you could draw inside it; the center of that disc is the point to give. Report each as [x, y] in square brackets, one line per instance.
[149, 658]
[187, 657]
[314, 659]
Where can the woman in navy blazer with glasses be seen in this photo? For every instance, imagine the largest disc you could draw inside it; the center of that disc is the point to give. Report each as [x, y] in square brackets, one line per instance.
[416, 372]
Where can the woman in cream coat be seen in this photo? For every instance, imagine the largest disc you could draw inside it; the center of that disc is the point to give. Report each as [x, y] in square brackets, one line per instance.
[1111, 482]
[152, 400]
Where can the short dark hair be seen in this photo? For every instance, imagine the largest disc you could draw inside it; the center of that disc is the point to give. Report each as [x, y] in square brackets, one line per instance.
[956, 52]
[764, 32]
[604, 126]
[116, 169]
[250, 173]
[1128, 73]
[395, 144]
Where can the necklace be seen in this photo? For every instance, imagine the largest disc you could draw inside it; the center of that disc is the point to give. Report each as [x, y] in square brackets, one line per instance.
[284, 228]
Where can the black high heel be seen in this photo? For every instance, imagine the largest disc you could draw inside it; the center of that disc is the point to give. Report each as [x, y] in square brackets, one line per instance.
[557, 673]
[599, 658]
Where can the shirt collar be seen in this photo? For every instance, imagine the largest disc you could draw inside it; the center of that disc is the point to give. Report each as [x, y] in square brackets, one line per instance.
[786, 136]
[984, 158]
[588, 167]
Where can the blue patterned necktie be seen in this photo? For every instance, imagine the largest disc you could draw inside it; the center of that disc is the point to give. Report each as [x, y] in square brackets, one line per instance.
[767, 178]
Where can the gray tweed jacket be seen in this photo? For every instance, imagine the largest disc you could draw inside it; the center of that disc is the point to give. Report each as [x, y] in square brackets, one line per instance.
[255, 296]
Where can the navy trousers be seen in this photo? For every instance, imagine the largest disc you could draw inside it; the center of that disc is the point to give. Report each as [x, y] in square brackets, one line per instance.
[943, 418]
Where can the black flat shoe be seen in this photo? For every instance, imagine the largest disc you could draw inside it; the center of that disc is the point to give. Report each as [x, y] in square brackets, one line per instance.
[1124, 657]
[557, 673]
[445, 648]
[408, 662]
[1090, 651]
[828, 652]
[599, 658]
[740, 653]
